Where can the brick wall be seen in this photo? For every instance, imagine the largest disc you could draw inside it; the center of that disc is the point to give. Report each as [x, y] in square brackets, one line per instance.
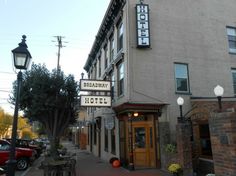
[184, 147]
[223, 140]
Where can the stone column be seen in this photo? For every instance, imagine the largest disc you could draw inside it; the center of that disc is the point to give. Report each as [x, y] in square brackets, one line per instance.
[184, 147]
[223, 143]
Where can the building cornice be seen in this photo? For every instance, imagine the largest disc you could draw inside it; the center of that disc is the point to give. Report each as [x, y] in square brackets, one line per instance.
[114, 9]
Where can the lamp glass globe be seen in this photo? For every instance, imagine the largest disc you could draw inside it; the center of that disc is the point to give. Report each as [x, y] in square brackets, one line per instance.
[180, 101]
[219, 91]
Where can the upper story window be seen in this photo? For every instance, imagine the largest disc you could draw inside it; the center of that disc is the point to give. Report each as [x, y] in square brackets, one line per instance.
[231, 32]
[120, 37]
[94, 72]
[99, 66]
[112, 76]
[234, 79]
[105, 57]
[121, 79]
[112, 48]
[181, 78]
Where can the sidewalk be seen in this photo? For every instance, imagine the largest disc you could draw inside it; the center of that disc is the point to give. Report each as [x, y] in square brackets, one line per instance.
[89, 165]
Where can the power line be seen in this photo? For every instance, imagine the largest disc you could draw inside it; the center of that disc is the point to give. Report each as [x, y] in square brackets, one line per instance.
[5, 91]
[4, 72]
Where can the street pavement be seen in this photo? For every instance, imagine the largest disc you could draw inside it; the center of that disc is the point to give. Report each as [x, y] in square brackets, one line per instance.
[89, 165]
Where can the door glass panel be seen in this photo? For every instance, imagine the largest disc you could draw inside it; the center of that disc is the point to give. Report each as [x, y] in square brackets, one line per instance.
[140, 137]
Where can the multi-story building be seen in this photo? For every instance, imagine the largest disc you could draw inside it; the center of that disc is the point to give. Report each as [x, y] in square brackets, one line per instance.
[154, 51]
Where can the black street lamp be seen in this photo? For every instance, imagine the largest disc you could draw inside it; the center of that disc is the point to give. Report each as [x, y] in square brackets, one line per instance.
[180, 102]
[219, 91]
[21, 57]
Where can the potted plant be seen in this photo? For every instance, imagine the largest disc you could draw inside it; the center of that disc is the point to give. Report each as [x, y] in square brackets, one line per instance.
[175, 169]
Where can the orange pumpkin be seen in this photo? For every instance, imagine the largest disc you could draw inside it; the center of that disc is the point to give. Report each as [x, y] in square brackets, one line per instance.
[116, 163]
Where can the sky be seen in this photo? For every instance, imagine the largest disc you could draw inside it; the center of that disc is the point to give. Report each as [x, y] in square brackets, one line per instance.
[77, 21]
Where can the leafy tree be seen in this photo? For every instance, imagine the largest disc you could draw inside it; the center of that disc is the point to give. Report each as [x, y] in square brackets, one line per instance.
[5, 122]
[23, 123]
[50, 98]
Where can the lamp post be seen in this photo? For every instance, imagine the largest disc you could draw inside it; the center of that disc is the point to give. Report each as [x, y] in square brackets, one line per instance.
[180, 102]
[21, 57]
[219, 91]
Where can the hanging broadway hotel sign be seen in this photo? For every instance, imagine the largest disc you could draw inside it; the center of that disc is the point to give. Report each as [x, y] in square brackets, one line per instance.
[95, 100]
[95, 85]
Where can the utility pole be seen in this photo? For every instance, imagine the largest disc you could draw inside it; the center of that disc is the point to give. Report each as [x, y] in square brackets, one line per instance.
[59, 45]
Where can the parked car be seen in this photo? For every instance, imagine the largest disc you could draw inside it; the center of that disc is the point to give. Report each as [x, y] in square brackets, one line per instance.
[43, 141]
[24, 143]
[23, 156]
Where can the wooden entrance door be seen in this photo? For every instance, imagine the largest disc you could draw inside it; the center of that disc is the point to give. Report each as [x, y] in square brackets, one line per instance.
[144, 147]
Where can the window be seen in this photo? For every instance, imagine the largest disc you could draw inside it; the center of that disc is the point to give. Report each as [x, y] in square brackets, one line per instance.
[105, 57]
[113, 140]
[106, 138]
[234, 79]
[120, 37]
[94, 71]
[112, 47]
[112, 85]
[121, 79]
[4, 146]
[99, 66]
[231, 32]
[181, 78]
[95, 134]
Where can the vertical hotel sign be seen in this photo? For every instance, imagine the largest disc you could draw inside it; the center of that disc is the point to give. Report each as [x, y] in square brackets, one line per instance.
[143, 31]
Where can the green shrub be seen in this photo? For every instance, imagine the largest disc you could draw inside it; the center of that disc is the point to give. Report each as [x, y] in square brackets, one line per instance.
[170, 148]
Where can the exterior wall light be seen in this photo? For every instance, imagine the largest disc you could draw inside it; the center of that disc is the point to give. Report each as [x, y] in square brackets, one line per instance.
[180, 102]
[219, 91]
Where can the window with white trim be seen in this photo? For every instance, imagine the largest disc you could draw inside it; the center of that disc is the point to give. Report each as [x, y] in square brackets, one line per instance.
[112, 78]
[120, 37]
[181, 78]
[105, 57]
[231, 33]
[112, 48]
[121, 79]
[234, 79]
[99, 66]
